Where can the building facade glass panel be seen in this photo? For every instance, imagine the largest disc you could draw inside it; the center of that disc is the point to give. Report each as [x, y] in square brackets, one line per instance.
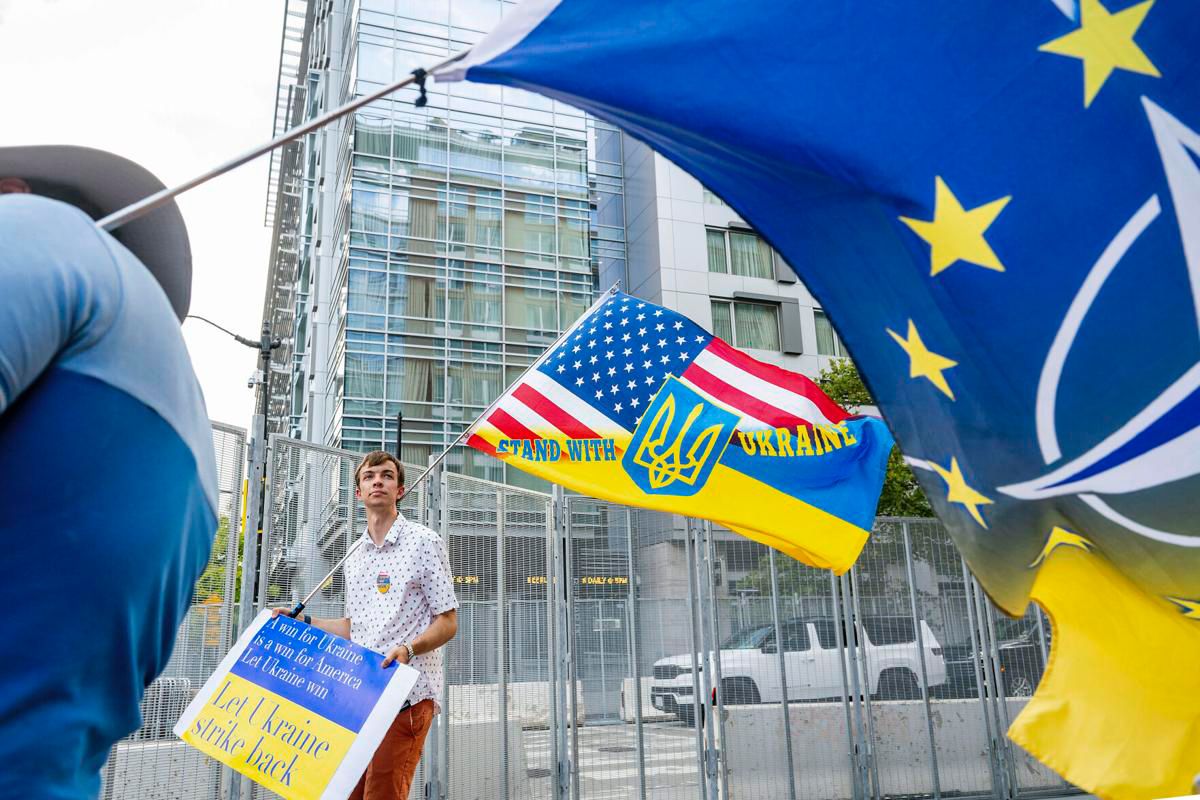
[464, 234]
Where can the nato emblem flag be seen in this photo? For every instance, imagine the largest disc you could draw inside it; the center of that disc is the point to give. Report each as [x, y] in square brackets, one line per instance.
[998, 204]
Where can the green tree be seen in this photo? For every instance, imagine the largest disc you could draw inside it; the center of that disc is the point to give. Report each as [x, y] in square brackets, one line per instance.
[901, 495]
[841, 381]
[212, 580]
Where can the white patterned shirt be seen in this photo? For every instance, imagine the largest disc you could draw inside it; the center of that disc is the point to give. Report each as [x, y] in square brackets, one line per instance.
[393, 592]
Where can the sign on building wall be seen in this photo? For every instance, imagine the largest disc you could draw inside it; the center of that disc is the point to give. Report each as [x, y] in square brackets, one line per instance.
[295, 709]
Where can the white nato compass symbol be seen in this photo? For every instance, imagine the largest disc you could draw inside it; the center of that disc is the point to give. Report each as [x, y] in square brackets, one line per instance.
[1161, 443]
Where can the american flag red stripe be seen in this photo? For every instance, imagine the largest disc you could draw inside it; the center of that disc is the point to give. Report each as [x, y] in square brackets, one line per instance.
[538, 403]
[732, 396]
[480, 443]
[550, 412]
[510, 426]
[601, 378]
[788, 381]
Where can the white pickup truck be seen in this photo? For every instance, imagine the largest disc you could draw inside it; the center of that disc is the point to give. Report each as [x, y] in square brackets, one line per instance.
[750, 664]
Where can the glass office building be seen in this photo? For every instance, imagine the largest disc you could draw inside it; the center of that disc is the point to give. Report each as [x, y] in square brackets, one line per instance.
[438, 250]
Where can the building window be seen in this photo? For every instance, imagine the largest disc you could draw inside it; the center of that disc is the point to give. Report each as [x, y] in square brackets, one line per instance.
[722, 314]
[739, 253]
[713, 199]
[717, 259]
[744, 324]
[828, 342]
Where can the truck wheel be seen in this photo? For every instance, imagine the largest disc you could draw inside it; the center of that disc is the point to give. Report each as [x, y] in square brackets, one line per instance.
[898, 684]
[739, 692]
[687, 716]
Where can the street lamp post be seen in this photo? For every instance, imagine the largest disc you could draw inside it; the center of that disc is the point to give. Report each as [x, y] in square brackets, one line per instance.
[258, 470]
[265, 345]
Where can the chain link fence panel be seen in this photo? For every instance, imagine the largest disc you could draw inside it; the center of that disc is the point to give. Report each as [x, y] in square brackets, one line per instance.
[312, 516]
[610, 652]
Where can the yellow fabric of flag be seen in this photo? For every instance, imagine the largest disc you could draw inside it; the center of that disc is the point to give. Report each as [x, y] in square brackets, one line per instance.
[1118, 709]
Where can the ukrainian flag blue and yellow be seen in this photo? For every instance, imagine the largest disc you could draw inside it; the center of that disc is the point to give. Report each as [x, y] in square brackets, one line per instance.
[638, 404]
[998, 204]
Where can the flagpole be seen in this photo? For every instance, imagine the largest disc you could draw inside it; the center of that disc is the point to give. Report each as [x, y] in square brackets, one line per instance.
[299, 607]
[148, 204]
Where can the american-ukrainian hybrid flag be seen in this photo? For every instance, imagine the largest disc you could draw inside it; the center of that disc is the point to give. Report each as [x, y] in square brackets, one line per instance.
[639, 404]
[998, 204]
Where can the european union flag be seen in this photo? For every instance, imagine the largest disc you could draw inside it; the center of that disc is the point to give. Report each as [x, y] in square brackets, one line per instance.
[998, 204]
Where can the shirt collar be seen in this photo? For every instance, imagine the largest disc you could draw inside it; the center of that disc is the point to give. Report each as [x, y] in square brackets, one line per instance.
[393, 532]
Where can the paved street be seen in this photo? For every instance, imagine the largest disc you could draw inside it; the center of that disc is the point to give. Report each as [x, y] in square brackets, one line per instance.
[608, 761]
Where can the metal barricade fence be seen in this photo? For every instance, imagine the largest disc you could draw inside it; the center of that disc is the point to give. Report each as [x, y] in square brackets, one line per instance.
[611, 652]
[311, 517]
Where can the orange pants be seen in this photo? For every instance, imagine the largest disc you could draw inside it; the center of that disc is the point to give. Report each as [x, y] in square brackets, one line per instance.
[390, 773]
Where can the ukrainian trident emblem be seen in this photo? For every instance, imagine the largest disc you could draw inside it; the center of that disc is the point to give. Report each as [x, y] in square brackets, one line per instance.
[680, 439]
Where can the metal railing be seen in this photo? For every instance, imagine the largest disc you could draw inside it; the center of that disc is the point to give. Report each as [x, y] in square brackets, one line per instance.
[605, 651]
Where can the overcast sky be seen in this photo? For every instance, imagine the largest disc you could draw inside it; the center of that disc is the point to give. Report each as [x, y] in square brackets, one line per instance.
[178, 87]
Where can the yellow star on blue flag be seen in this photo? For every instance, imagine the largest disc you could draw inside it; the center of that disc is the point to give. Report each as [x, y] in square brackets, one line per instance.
[1012, 196]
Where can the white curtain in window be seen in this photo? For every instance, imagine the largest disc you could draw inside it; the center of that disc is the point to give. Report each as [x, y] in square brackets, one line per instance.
[750, 256]
[422, 217]
[827, 340]
[516, 230]
[415, 453]
[571, 308]
[406, 139]
[418, 380]
[716, 252]
[757, 326]
[425, 143]
[571, 164]
[722, 323]
[422, 297]
[456, 224]
[530, 162]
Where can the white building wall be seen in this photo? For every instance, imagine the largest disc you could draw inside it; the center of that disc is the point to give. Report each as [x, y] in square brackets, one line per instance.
[668, 263]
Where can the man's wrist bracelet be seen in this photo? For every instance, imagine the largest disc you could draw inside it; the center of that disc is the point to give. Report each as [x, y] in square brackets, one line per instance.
[412, 653]
[307, 619]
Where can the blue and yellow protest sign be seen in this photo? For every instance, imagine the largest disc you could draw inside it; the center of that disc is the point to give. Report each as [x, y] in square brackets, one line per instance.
[295, 709]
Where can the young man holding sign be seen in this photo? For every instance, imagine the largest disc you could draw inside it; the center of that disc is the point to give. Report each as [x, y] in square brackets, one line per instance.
[399, 601]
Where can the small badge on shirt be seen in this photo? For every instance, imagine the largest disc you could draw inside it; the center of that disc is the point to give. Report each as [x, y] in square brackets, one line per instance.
[383, 582]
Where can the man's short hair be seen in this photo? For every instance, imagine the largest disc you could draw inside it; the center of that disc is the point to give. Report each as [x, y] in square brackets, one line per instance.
[376, 458]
